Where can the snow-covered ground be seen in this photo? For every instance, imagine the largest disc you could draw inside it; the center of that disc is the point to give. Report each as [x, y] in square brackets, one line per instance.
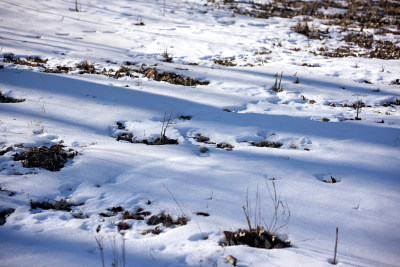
[312, 119]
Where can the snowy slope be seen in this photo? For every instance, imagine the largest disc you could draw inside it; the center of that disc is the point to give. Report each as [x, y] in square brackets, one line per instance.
[319, 140]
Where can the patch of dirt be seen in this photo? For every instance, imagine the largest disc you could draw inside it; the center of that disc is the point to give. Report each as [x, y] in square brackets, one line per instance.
[59, 69]
[166, 220]
[56, 205]
[331, 180]
[112, 211]
[8, 192]
[29, 61]
[380, 18]
[8, 149]
[256, 238]
[87, 68]
[391, 103]
[126, 137]
[185, 117]
[155, 231]
[52, 159]
[310, 32]
[169, 77]
[204, 150]
[4, 214]
[123, 226]
[225, 62]
[266, 143]
[364, 40]
[7, 99]
[140, 214]
[225, 146]
[201, 139]
[163, 140]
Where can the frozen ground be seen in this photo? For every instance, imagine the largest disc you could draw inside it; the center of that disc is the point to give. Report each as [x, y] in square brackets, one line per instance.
[312, 119]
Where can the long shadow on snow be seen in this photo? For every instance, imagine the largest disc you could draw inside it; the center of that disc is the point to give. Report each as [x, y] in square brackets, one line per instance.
[106, 95]
[236, 74]
[80, 252]
[64, 85]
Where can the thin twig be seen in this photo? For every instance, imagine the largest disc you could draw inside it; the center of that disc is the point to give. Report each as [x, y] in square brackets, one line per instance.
[114, 250]
[123, 249]
[183, 213]
[100, 244]
[334, 255]
[247, 218]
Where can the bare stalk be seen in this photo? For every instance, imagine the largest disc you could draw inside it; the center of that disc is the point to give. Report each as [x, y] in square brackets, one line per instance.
[280, 80]
[114, 251]
[281, 216]
[100, 244]
[164, 9]
[166, 126]
[162, 128]
[183, 213]
[334, 254]
[276, 82]
[123, 249]
[247, 217]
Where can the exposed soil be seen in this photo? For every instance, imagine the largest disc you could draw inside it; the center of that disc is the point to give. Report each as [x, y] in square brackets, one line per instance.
[112, 211]
[256, 238]
[188, 117]
[382, 18]
[204, 150]
[266, 143]
[29, 61]
[310, 32]
[331, 180]
[169, 77]
[225, 62]
[88, 68]
[4, 214]
[8, 149]
[56, 205]
[139, 215]
[155, 231]
[163, 140]
[225, 146]
[52, 159]
[59, 69]
[166, 220]
[392, 104]
[201, 139]
[123, 226]
[7, 99]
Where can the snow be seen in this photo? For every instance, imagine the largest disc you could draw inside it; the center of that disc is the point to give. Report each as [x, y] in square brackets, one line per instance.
[82, 111]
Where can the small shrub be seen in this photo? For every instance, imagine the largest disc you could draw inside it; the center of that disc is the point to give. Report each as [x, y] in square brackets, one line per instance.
[257, 235]
[52, 159]
[277, 87]
[7, 99]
